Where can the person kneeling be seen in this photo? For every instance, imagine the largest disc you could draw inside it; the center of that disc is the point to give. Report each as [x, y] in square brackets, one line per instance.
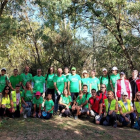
[111, 109]
[37, 101]
[65, 104]
[48, 107]
[95, 107]
[126, 111]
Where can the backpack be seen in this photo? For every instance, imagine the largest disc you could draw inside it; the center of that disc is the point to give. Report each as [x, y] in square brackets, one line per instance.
[108, 78]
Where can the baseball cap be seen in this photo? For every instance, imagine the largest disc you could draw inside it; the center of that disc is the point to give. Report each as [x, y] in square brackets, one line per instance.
[84, 71]
[104, 69]
[3, 69]
[114, 68]
[17, 85]
[38, 93]
[125, 93]
[122, 73]
[73, 68]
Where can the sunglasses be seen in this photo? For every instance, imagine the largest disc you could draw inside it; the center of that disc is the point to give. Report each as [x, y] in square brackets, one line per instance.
[7, 89]
[93, 92]
[102, 87]
[138, 95]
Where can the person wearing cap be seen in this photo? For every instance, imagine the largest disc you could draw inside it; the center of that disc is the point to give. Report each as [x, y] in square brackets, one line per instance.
[126, 111]
[137, 110]
[83, 108]
[38, 83]
[37, 105]
[16, 98]
[48, 107]
[15, 79]
[27, 97]
[49, 82]
[134, 85]
[74, 83]
[105, 79]
[122, 85]
[60, 83]
[114, 77]
[26, 77]
[86, 80]
[95, 106]
[4, 80]
[94, 81]
[110, 110]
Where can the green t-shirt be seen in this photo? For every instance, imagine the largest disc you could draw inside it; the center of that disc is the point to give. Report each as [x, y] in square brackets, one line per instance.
[28, 96]
[87, 82]
[67, 76]
[3, 82]
[49, 80]
[26, 78]
[94, 83]
[60, 82]
[86, 97]
[79, 101]
[66, 100]
[38, 101]
[48, 105]
[39, 82]
[114, 78]
[106, 81]
[15, 80]
[74, 82]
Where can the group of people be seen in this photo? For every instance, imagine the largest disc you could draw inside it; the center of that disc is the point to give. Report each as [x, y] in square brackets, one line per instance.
[109, 100]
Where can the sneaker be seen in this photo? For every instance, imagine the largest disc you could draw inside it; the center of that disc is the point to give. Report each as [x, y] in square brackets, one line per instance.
[76, 117]
[24, 116]
[60, 115]
[115, 125]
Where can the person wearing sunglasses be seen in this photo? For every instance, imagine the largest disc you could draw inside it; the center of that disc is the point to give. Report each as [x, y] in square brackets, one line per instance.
[7, 104]
[122, 85]
[95, 107]
[127, 114]
[102, 94]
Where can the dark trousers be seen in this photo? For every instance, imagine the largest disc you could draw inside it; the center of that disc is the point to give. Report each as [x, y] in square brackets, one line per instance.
[110, 119]
[49, 115]
[52, 92]
[17, 112]
[66, 112]
[74, 95]
[7, 112]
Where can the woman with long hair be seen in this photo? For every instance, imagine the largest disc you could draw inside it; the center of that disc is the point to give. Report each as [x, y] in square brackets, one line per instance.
[7, 103]
[27, 97]
[49, 82]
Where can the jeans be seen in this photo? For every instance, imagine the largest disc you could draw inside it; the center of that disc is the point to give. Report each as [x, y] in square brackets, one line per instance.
[131, 116]
[57, 97]
[110, 119]
[27, 110]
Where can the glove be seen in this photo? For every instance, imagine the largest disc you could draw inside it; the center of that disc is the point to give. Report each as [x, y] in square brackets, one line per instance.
[92, 113]
[97, 117]
[58, 92]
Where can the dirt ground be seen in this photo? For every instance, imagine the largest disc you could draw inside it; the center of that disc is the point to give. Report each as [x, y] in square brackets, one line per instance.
[62, 129]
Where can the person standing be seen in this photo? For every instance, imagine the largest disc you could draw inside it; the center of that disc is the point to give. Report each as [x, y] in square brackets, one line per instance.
[105, 79]
[114, 77]
[122, 85]
[49, 83]
[66, 72]
[4, 80]
[60, 84]
[133, 84]
[39, 82]
[74, 83]
[26, 77]
[15, 79]
[86, 80]
[95, 82]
